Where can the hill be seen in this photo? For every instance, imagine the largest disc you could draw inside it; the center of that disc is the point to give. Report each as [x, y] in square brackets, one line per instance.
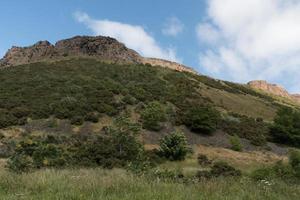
[96, 78]
[90, 102]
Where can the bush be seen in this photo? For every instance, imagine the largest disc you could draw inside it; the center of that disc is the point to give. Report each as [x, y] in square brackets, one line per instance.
[279, 170]
[77, 120]
[245, 127]
[153, 114]
[174, 146]
[286, 127]
[36, 152]
[202, 119]
[294, 159]
[224, 169]
[92, 117]
[235, 143]
[203, 160]
[116, 148]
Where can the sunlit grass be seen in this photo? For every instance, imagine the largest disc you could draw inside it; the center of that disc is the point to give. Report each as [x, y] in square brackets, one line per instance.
[118, 184]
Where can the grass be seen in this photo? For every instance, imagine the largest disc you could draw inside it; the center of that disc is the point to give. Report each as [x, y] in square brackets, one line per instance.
[83, 184]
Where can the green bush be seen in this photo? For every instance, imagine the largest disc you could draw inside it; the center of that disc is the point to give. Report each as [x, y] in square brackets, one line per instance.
[77, 120]
[224, 169]
[153, 114]
[244, 127]
[235, 143]
[277, 171]
[117, 147]
[36, 152]
[174, 146]
[203, 160]
[294, 159]
[286, 127]
[202, 119]
[92, 117]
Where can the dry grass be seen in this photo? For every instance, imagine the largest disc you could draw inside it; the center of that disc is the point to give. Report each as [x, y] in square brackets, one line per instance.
[242, 160]
[242, 104]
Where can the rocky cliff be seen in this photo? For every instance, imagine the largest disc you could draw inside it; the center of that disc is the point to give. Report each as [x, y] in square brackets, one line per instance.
[99, 47]
[273, 89]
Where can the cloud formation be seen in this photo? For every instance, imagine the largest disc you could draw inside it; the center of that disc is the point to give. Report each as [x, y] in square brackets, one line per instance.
[134, 37]
[172, 27]
[252, 39]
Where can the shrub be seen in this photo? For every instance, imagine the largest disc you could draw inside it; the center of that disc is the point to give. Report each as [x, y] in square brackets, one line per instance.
[202, 119]
[203, 160]
[245, 127]
[36, 152]
[116, 148]
[286, 127]
[92, 117]
[77, 120]
[174, 146]
[235, 143]
[294, 159]
[224, 169]
[152, 115]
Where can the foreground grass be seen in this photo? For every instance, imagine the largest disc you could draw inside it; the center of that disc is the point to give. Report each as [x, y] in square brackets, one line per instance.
[118, 184]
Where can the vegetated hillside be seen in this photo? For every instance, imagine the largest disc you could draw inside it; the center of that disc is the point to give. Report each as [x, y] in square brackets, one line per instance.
[76, 87]
[88, 90]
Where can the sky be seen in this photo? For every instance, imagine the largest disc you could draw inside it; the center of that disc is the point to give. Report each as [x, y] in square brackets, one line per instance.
[227, 39]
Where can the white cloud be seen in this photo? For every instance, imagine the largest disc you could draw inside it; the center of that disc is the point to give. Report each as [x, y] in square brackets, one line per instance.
[172, 27]
[134, 37]
[252, 39]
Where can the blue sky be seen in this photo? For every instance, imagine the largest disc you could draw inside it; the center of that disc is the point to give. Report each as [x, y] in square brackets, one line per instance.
[227, 39]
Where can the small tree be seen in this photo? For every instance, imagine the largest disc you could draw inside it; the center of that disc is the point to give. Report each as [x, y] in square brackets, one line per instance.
[174, 146]
[152, 115]
[235, 143]
[202, 119]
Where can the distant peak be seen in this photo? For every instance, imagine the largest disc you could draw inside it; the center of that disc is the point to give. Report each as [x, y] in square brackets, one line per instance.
[273, 89]
[99, 47]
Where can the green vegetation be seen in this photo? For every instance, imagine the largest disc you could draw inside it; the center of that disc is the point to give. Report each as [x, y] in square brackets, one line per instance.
[94, 184]
[202, 119]
[235, 143]
[153, 114]
[255, 130]
[116, 147]
[286, 128]
[174, 146]
[287, 172]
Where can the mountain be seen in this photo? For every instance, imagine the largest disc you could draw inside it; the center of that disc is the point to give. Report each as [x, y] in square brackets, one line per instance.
[273, 89]
[80, 85]
[99, 47]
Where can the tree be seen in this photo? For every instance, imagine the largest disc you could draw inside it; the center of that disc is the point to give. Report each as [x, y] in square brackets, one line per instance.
[152, 115]
[202, 119]
[174, 146]
[286, 127]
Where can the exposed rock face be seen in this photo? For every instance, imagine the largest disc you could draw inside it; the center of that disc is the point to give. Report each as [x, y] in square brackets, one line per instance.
[269, 88]
[168, 64]
[103, 48]
[273, 89]
[19, 55]
[296, 97]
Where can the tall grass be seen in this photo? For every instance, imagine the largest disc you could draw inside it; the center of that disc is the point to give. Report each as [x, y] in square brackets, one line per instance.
[83, 184]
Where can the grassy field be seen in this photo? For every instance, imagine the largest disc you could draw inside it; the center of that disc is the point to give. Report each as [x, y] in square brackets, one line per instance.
[118, 184]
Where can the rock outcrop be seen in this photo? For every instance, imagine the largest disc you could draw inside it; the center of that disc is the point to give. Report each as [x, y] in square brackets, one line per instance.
[168, 64]
[296, 97]
[99, 47]
[104, 48]
[273, 89]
